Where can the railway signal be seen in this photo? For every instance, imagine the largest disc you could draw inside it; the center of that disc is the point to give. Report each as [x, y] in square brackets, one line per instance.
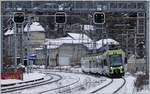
[99, 18]
[60, 18]
[18, 17]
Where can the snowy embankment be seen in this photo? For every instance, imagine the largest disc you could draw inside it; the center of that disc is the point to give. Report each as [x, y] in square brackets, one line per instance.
[128, 88]
[83, 83]
[26, 77]
[97, 87]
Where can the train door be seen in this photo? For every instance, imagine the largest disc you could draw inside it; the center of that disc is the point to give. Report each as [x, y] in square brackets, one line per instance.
[105, 65]
[90, 64]
[93, 65]
[85, 64]
[100, 65]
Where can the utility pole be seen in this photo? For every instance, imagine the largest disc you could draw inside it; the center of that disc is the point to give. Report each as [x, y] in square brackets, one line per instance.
[147, 42]
[28, 44]
[21, 42]
[99, 19]
[1, 43]
[45, 53]
[15, 45]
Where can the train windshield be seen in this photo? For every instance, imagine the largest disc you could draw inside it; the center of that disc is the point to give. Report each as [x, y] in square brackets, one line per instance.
[115, 60]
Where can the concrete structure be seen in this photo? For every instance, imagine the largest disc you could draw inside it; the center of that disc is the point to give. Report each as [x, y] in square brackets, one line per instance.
[68, 50]
[8, 42]
[37, 35]
[70, 54]
[135, 65]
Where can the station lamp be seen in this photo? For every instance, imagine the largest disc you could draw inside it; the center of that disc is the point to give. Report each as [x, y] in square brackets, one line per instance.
[60, 18]
[18, 17]
[99, 17]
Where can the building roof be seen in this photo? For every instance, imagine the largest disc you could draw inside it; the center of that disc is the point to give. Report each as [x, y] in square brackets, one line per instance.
[9, 32]
[77, 38]
[35, 26]
[105, 41]
[88, 27]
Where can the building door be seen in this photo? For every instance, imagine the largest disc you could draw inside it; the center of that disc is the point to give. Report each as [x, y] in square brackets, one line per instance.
[64, 61]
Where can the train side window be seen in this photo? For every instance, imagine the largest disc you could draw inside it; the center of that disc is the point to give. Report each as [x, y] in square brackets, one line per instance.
[105, 62]
[94, 62]
[97, 64]
[90, 65]
[126, 60]
[102, 64]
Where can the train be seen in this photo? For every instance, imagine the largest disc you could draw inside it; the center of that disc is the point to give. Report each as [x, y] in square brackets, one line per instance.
[109, 62]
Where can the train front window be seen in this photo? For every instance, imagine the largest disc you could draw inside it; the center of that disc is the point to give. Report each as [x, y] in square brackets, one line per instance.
[115, 60]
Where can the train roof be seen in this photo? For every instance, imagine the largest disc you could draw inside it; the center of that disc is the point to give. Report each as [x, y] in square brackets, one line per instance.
[114, 52]
[108, 52]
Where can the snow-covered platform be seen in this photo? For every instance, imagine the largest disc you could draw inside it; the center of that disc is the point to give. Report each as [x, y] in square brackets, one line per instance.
[27, 77]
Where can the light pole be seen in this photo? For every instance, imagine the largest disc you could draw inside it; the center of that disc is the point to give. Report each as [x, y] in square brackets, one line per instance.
[99, 19]
[18, 19]
[28, 44]
[45, 54]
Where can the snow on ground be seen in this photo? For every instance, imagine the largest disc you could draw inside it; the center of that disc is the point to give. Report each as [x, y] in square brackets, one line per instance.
[9, 81]
[129, 86]
[99, 86]
[38, 66]
[144, 91]
[26, 77]
[127, 89]
[112, 87]
[86, 82]
[85, 86]
[37, 90]
[32, 76]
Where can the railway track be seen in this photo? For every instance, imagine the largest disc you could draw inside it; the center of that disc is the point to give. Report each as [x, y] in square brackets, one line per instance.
[104, 89]
[120, 86]
[31, 85]
[64, 86]
[112, 87]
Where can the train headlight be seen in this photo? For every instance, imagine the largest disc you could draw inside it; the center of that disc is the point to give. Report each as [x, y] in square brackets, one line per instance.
[121, 68]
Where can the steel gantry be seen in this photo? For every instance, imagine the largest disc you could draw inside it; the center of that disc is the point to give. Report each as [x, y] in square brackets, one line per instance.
[125, 20]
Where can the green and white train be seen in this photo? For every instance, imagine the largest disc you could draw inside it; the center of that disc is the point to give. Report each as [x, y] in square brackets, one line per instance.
[110, 62]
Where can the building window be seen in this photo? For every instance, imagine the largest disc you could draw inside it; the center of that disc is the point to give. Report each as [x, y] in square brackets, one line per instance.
[131, 5]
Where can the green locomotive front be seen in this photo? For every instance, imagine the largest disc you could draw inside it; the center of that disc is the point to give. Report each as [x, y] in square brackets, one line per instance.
[116, 59]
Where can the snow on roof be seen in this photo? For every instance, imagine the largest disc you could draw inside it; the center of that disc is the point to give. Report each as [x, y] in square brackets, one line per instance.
[75, 38]
[9, 32]
[52, 46]
[88, 27]
[38, 48]
[35, 26]
[105, 41]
